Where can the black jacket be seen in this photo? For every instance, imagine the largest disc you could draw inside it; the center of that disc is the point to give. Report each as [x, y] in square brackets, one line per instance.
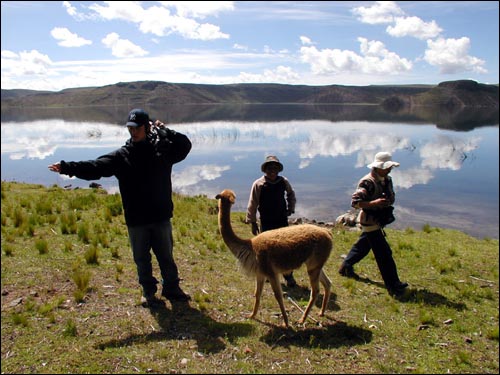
[144, 176]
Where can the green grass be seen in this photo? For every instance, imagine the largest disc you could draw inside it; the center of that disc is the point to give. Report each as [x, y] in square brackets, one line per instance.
[70, 299]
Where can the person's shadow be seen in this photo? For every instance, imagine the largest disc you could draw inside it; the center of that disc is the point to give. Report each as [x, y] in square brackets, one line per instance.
[429, 298]
[419, 295]
[184, 322]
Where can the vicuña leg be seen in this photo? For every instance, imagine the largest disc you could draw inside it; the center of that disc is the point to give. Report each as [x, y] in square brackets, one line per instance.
[259, 285]
[314, 276]
[278, 294]
[326, 284]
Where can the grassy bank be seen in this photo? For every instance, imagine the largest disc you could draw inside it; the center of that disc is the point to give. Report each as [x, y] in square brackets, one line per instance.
[70, 299]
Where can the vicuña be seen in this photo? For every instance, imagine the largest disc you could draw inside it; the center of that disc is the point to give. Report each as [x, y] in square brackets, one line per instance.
[271, 253]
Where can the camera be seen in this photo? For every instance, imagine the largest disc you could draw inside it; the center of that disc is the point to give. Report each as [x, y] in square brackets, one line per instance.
[159, 136]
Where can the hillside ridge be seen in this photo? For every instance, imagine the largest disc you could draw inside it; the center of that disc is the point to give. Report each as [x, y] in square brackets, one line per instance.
[449, 94]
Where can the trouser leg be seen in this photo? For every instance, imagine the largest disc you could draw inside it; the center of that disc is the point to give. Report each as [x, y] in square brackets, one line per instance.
[358, 251]
[162, 244]
[383, 257]
[140, 243]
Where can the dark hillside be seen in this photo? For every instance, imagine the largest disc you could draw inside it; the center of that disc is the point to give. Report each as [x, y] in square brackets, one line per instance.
[458, 94]
[454, 94]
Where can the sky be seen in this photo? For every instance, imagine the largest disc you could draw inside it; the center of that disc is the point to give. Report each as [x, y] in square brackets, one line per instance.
[54, 45]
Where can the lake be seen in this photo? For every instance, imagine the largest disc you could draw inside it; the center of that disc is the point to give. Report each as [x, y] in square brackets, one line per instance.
[449, 161]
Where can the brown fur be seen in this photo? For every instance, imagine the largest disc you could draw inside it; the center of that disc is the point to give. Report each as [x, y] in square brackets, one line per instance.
[278, 251]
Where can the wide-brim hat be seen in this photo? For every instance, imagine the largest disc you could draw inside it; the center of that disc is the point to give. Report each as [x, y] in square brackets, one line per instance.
[137, 117]
[271, 159]
[383, 160]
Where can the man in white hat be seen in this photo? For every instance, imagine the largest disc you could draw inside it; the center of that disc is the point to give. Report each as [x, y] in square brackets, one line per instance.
[375, 196]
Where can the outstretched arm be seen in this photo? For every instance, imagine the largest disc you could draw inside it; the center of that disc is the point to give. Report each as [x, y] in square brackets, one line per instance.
[104, 166]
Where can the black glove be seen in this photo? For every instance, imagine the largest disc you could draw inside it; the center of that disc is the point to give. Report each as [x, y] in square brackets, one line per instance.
[164, 142]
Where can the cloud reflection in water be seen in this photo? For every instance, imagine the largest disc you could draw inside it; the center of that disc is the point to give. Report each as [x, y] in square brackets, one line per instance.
[323, 161]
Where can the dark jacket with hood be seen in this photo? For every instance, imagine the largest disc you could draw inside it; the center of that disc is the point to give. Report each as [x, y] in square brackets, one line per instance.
[144, 176]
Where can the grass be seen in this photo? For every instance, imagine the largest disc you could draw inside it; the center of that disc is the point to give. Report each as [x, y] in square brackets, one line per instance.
[70, 299]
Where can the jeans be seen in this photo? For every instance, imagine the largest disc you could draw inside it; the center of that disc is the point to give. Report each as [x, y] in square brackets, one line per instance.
[156, 236]
[383, 255]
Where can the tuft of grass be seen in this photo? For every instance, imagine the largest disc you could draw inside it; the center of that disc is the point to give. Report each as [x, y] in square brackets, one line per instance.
[64, 314]
[81, 279]
[92, 254]
[42, 246]
[70, 330]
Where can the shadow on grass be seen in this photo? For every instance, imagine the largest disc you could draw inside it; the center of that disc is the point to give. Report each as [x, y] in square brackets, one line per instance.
[301, 293]
[419, 296]
[183, 322]
[326, 337]
[430, 298]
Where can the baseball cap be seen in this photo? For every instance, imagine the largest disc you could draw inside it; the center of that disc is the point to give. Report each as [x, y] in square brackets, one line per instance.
[137, 117]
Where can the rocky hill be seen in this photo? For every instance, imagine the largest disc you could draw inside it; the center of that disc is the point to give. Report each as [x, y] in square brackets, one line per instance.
[454, 94]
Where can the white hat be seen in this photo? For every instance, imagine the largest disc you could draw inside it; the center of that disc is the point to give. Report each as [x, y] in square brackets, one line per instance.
[383, 160]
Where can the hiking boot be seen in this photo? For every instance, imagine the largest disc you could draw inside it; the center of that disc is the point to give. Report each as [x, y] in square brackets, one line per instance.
[400, 285]
[347, 271]
[398, 289]
[175, 294]
[290, 280]
[150, 300]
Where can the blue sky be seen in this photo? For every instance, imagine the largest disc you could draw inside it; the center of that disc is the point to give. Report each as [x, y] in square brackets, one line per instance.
[53, 45]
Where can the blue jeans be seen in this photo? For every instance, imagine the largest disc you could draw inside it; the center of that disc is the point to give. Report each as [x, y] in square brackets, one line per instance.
[383, 255]
[156, 236]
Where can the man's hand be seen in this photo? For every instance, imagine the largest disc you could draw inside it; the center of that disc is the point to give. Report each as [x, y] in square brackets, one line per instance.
[255, 229]
[55, 167]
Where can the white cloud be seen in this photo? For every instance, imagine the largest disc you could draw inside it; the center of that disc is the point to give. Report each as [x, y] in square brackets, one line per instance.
[26, 63]
[450, 55]
[67, 38]
[240, 47]
[206, 31]
[407, 178]
[447, 152]
[282, 74]
[158, 20]
[9, 54]
[130, 11]
[197, 173]
[199, 9]
[305, 40]
[381, 12]
[122, 47]
[70, 9]
[374, 59]
[414, 27]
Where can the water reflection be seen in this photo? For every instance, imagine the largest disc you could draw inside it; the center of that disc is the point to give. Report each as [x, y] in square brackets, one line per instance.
[460, 119]
[446, 179]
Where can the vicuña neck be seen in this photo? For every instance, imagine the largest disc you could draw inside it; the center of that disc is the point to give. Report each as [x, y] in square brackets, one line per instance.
[230, 238]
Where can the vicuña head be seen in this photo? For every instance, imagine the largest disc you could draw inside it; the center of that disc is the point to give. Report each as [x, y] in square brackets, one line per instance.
[278, 251]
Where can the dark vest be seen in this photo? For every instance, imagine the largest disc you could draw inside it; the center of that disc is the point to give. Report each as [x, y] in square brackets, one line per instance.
[272, 205]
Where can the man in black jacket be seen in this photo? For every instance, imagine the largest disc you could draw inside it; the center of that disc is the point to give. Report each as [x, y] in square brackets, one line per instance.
[143, 167]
